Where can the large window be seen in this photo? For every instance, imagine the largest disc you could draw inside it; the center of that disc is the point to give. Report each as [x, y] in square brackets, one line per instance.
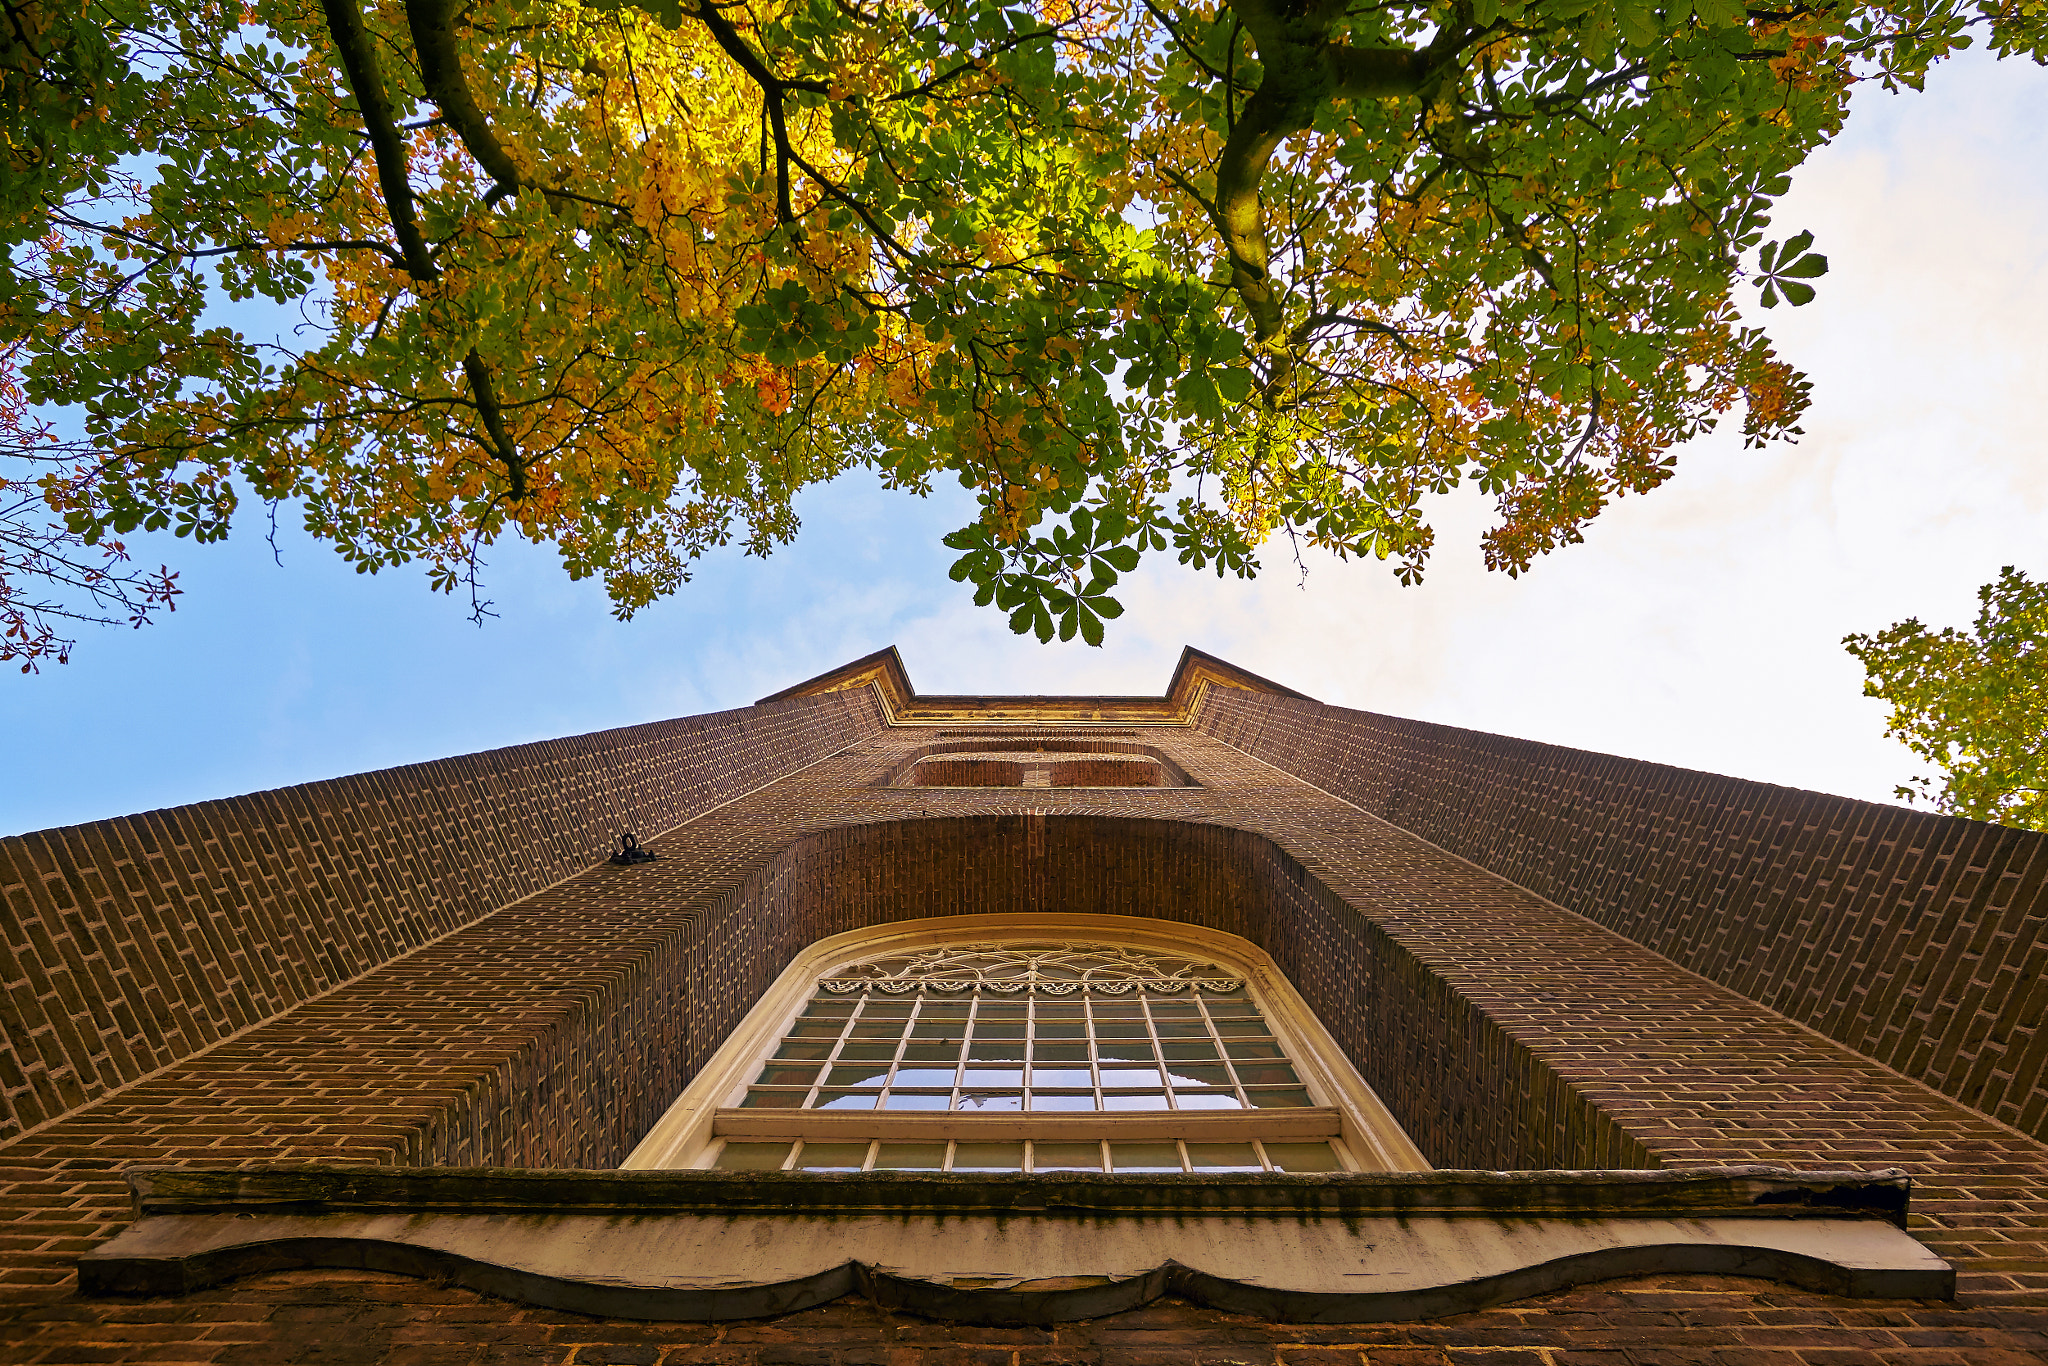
[946, 1050]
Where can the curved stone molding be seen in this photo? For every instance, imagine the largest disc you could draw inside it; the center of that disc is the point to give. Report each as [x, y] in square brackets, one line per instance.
[1032, 1249]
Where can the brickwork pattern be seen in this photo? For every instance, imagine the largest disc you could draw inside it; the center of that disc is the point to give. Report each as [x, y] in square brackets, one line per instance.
[553, 1031]
[129, 944]
[360, 1319]
[1917, 939]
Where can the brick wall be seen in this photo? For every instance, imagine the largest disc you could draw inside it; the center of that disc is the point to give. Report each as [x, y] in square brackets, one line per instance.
[1499, 1028]
[129, 944]
[1919, 940]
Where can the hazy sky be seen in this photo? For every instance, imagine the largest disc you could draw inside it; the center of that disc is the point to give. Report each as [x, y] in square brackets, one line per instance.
[1699, 625]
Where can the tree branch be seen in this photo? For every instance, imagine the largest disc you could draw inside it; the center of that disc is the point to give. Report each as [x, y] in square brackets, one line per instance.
[493, 418]
[432, 23]
[773, 88]
[366, 83]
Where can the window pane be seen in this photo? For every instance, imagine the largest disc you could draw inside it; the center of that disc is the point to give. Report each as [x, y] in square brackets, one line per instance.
[804, 1048]
[1120, 1029]
[1134, 1100]
[1268, 1097]
[1175, 1010]
[1124, 1050]
[1267, 1074]
[918, 1100]
[1184, 1074]
[1188, 1050]
[908, 1075]
[866, 1074]
[1145, 1157]
[828, 1008]
[1180, 1029]
[856, 1050]
[886, 1010]
[938, 1029]
[1303, 1157]
[943, 1010]
[1130, 1076]
[1061, 1052]
[1253, 1048]
[789, 1076]
[878, 1029]
[773, 1100]
[1223, 1157]
[925, 1052]
[1207, 1100]
[996, 1050]
[911, 1157]
[994, 1076]
[1066, 1157]
[846, 1100]
[1063, 1100]
[1060, 1029]
[1001, 1010]
[1061, 1008]
[1253, 1026]
[988, 1157]
[1114, 1010]
[990, 1102]
[1061, 1076]
[832, 1157]
[753, 1157]
[815, 1029]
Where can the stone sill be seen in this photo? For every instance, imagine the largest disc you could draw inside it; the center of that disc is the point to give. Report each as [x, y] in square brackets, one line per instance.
[1019, 1249]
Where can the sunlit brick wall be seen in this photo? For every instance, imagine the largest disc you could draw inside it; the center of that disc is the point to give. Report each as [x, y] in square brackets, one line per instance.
[1917, 939]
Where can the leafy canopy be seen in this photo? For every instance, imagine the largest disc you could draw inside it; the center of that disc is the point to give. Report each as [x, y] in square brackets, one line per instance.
[622, 276]
[1974, 704]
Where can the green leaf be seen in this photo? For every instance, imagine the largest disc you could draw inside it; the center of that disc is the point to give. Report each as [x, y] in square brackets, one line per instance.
[1091, 627]
[1780, 268]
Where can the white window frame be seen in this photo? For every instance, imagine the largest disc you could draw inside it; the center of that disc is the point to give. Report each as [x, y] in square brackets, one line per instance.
[692, 1132]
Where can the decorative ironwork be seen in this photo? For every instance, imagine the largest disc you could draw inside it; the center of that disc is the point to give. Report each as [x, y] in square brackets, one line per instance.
[1047, 968]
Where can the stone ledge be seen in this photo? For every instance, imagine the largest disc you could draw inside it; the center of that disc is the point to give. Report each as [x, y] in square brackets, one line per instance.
[1022, 1249]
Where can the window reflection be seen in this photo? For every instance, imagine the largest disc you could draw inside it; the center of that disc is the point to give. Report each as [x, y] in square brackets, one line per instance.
[1082, 1052]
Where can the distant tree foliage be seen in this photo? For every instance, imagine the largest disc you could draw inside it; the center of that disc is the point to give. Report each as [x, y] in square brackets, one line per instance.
[622, 276]
[1975, 704]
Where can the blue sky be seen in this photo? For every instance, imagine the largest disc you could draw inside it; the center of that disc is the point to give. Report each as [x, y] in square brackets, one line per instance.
[1699, 625]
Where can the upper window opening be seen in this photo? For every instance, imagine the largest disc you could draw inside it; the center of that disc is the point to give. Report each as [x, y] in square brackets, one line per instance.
[1043, 762]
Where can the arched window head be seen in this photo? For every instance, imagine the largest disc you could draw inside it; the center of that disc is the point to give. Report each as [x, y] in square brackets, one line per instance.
[1047, 1043]
[1052, 968]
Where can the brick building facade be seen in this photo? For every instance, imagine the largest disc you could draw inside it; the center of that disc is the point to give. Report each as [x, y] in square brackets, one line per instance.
[1538, 958]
